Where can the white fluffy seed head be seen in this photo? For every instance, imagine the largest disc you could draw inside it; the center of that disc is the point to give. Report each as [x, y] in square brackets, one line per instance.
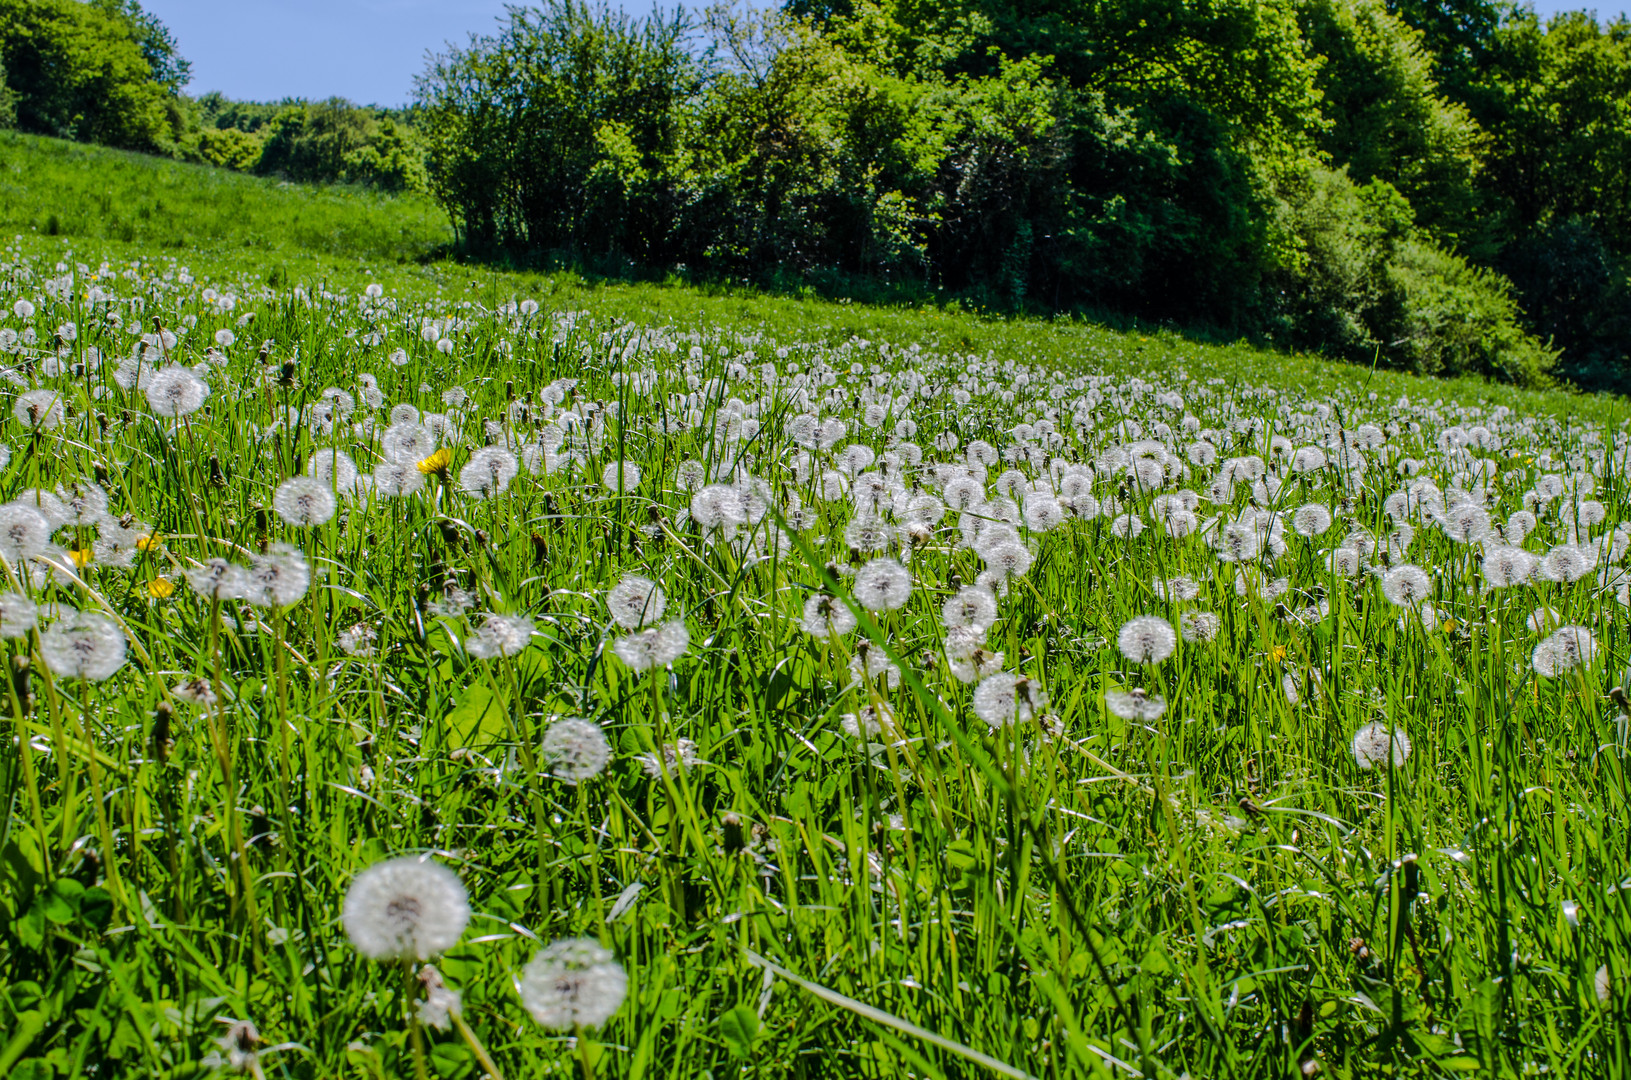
[500, 635]
[304, 501]
[1147, 639]
[573, 983]
[576, 750]
[635, 602]
[1374, 744]
[83, 645]
[405, 909]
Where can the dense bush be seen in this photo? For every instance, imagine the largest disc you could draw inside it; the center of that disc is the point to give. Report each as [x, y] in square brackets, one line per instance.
[97, 72]
[879, 142]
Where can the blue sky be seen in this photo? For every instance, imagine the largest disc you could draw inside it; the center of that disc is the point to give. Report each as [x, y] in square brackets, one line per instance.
[366, 50]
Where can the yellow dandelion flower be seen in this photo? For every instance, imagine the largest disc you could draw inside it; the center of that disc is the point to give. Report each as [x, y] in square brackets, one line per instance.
[150, 542]
[437, 462]
[160, 588]
[1448, 626]
[81, 557]
[1278, 653]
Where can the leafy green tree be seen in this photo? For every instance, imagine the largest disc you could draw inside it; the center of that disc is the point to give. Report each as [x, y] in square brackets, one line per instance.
[8, 102]
[81, 71]
[1384, 117]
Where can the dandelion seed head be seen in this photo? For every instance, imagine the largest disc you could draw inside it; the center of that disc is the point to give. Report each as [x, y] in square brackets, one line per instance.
[405, 909]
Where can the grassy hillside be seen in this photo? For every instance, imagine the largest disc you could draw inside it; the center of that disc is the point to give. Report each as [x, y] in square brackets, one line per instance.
[58, 196]
[774, 688]
[50, 187]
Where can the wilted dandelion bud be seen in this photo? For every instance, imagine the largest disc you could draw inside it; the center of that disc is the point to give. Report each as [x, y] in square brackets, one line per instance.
[635, 601]
[1375, 744]
[576, 750]
[500, 635]
[405, 909]
[573, 983]
[83, 645]
[304, 501]
[441, 1004]
[1147, 639]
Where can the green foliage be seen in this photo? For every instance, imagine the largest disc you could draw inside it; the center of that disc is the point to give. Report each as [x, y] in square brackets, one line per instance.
[8, 102]
[557, 132]
[82, 71]
[333, 141]
[1385, 119]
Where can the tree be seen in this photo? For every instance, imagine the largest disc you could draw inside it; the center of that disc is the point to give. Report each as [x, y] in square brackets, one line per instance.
[80, 71]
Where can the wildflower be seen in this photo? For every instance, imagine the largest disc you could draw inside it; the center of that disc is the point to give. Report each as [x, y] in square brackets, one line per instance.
[441, 1004]
[868, 722]
[38, 410]
[635, 601]
[1375, 744]
[826, 614]
[1005, 698]
[239, 1049]
[278, 578]
[576, 750]
[83, 645]
[24, 532]
[405, 908]
[653, 648]
[500, 635]
[1505, 566]
[358, 640]
[972, 606]
[681, 752]
[18, 615]
[1147, 639]
[1406, 585]
[176, 392]
[196, 692]
[304, 501]
[573, 983]
[218, 579]
[436, 463]
[395, 479]
[488, 472]
[1199, 626]
[1344, 561]
[160, 588]
[1311, 520]
[718, 506]
[1568, 648]
[882, 585]
[1135, 704]
[620, 476]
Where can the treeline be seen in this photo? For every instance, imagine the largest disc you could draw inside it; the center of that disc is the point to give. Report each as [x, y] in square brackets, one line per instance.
[1433, 185]
[1437, 185]
[106, 71]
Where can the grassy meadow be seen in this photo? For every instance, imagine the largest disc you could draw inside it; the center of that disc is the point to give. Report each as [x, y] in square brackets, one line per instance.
[782, 687]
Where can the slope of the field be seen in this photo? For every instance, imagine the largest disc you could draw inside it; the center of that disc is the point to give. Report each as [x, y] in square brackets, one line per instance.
[95, 203]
